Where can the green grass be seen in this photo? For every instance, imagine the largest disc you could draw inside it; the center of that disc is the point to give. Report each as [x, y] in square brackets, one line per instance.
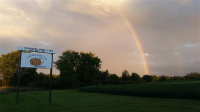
[75, 101]
[180, 90]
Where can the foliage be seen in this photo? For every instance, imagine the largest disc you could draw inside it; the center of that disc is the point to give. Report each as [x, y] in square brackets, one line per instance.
[178, 78]
[9, 65]
[9, 68]
[113, 79]
[77, 68]
[88, 68]
[164, 78]
[103, 77]
[135, 77]
[1, 83]
[13, 89]
[148, 78]
[125, 75]
[193, 75]
[184, 90]
[155, 78]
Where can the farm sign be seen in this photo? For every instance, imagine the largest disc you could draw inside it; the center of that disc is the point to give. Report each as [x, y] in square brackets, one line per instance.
[31, 60]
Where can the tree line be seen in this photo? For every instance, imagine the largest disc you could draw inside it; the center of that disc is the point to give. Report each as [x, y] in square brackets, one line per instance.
[77, 69]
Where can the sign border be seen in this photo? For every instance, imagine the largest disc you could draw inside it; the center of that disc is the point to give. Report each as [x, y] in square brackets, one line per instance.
[36, 50]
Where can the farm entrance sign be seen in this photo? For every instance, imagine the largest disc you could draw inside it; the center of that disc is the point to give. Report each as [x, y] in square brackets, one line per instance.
[33, 60]
[30, 60]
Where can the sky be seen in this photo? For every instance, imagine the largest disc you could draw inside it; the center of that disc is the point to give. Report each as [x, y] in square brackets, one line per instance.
[154, 37]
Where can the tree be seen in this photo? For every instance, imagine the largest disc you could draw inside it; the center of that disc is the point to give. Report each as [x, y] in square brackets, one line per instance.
[28, 76]
[125, 75]
[77, 68]
[148, 78]
[164, 78]
[9, 68]
[88, 68]
[155, 78]
[135, 77]
[68, 64]
[193, 75]
[103, 76]
[9, 65]
[113, 79]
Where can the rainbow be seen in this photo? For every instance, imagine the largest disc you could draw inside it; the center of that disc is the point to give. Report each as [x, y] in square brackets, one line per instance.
[139, 45]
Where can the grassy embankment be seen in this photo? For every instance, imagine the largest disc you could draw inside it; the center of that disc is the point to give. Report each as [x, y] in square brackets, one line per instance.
[75, 101]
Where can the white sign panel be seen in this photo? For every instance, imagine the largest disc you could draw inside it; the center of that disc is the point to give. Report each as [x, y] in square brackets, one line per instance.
[31, 60]
[36, 50]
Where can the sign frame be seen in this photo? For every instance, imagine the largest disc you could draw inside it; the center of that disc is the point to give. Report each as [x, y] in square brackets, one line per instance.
[39, 51]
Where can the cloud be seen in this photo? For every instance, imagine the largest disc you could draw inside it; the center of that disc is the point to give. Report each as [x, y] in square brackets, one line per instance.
[184, 2]
[167, 35]
[44, 5]
[15, 22]
[44, 43]
[189, 45]
[146, 54]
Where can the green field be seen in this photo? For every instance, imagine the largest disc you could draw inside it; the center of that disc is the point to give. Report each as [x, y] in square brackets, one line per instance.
[75, 101]
[177, 90]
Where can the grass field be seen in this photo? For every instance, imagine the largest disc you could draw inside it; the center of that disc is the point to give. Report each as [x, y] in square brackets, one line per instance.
[75, 101]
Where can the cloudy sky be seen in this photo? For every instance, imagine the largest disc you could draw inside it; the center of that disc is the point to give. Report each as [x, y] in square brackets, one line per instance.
[161, 35]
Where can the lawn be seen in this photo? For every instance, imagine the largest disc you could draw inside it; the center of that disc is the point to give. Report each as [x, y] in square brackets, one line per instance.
[75, 101]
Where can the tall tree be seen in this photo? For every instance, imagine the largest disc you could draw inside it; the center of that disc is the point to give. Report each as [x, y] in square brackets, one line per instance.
[88, 68]
[75, 66]
[9, 65]
[68, 64]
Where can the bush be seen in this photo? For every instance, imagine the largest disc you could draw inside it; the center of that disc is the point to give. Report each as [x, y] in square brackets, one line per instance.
[13, 89]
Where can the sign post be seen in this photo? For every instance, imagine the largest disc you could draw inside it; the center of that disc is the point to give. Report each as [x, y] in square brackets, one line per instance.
[19, 73]
[33, 60]
[50, 80]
